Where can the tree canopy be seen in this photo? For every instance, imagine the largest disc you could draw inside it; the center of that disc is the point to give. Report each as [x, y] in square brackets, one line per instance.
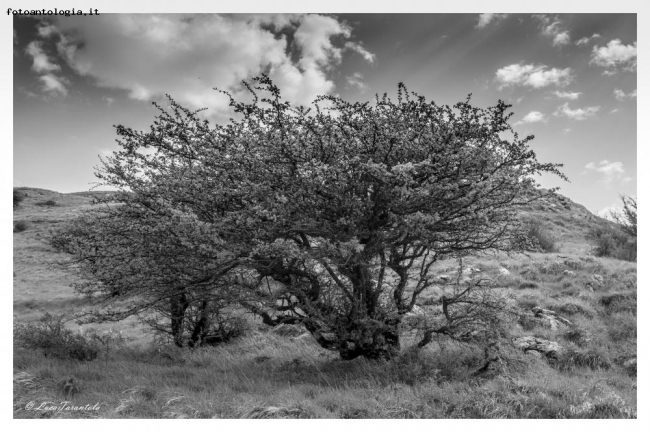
[345, 207]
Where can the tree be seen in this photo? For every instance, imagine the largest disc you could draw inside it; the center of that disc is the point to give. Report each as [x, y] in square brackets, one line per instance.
[626, 219]
[346, 207]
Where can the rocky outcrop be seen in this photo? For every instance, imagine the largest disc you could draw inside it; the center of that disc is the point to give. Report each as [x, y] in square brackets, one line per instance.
[548, 348]
[550, 318]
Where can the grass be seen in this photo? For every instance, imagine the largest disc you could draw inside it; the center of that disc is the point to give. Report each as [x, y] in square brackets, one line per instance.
[266, 374]
[301, 380]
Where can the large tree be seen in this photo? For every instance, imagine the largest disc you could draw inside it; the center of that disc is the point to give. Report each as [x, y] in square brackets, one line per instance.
[344, 206]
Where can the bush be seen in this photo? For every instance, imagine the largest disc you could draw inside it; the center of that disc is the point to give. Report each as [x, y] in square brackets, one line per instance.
[18, 197]
[48, 203]
[20, 226]
[614, 243]
[50, 335]
[626, 219]
[540, 238]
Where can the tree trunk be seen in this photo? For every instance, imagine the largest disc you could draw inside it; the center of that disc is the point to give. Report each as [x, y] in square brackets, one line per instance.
[369, 338]
[377, 343]
[178, 305]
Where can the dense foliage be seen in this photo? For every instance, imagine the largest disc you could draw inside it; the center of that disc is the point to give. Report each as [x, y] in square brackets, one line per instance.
[618, 241]
[332, 217]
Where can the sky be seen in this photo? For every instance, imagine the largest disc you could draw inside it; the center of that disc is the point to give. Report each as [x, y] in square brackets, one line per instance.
[571, 80]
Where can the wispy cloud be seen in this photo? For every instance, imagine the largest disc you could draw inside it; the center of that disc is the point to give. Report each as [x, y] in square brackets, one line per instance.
[42, 62]
[46, 30]
[567, 95]
[54, 85]
[355, 80]
[611, 171]
[615, 55]
[585, 40]
[553, 28]
[486, 18]
[578, 113]
[357, 47]
[621, 95]
[532, 117]
[531, 75]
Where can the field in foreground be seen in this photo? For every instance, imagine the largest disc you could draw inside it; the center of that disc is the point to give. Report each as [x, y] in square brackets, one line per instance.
[271, 374]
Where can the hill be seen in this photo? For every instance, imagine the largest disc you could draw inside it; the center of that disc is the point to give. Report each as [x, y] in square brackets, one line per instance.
[572, 352]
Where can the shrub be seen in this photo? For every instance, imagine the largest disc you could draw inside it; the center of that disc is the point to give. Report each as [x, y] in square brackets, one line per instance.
[50, 336]
[20, 226]
[619, 303]
[576, 335]
[540, 238]
[626, 219]
[613, 243]
[18, 197]
[48, 203]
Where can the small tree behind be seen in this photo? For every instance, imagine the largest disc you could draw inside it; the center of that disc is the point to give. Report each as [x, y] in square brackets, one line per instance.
[626, 219]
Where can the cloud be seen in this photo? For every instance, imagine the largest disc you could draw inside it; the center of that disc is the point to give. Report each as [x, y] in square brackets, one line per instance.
[54, 85]
[552, 28]
[615, 55]
[561, 39]
[576, 114]
[187, 55]
[486, 18]
[357, 47]
[42, 62]
[611, 171]
[615, 110]
[355, 80]
[621, 95]
[585, 40]
[532, 76]
[109, 100]
[567, 95]
[532, 117]
[46, 30]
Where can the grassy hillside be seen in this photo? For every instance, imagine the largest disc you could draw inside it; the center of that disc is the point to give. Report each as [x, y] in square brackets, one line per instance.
[585, 304]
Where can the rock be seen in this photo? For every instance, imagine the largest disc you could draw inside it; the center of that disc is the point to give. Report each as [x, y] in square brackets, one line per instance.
[543, 346]
[569, 272]
[629, 362]
[598, 279]
[469, 271]
[504, 271]
[288, 330]
[549, 318]
[274, 412]
[533, 353]
[538, 311]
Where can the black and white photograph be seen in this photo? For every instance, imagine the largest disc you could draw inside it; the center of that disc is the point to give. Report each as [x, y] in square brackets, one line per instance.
[335, 213]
